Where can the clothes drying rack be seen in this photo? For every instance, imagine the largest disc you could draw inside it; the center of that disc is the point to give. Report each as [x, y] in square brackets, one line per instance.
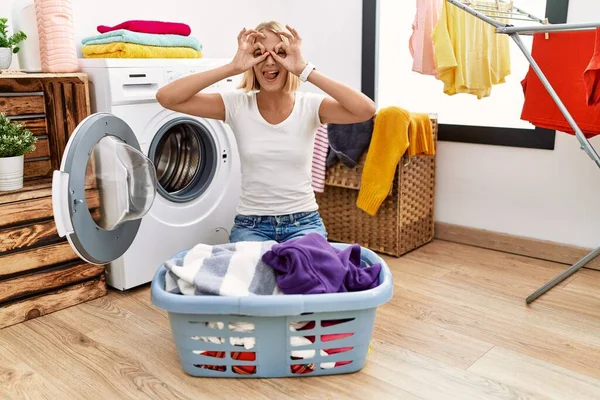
[491, 12]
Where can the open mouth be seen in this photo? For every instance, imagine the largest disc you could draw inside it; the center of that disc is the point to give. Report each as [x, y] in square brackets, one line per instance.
[270, 76]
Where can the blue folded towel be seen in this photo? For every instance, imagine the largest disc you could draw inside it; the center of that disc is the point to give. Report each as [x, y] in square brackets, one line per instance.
[148, 39]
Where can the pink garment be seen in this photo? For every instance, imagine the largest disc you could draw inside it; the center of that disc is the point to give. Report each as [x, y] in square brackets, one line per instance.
[319, 159]
[155, 27]
[420, 43]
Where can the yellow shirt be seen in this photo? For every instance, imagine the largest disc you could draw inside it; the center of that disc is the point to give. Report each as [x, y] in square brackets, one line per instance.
[470, 56]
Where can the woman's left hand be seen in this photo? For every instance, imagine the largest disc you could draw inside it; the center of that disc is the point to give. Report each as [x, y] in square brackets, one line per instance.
[289, 55]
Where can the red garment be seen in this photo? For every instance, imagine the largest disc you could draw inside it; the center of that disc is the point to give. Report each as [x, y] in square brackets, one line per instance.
[330, 337]
[563, 58]
[248, 369]
[235, 355]
[591, 76]
[156, 27]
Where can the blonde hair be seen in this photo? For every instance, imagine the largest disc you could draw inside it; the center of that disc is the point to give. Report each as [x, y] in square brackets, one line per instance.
[249, 80]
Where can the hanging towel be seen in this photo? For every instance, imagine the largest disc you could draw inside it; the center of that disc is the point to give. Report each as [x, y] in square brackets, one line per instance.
[470, 56]
[420, 135]
[563, 58]
[143, 26]
[310, 265]
[231, 269]
[591, 76]
[133, 50]
[148, 39]
[347, 142]
[420, 43]
[319, 167]
[389, 143]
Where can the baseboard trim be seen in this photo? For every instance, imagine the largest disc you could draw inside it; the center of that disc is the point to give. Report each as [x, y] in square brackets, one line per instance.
[535, 248]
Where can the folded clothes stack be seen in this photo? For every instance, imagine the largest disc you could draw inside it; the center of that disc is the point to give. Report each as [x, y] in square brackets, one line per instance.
[142, 39]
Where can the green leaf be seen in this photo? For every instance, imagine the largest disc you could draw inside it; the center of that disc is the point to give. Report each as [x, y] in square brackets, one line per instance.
[15, 139]
[12, 41]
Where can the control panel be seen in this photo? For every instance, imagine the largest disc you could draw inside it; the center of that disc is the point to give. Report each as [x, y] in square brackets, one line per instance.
[174, 73]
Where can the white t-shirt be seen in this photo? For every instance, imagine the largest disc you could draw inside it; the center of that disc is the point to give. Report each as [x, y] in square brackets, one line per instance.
[275, 159]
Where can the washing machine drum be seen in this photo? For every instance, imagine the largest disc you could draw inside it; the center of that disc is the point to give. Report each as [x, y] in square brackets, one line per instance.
[185, 156]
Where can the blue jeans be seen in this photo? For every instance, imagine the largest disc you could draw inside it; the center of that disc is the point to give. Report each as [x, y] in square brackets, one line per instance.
[279, 228]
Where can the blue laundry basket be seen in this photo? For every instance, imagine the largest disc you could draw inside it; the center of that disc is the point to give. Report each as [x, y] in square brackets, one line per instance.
[273, 323]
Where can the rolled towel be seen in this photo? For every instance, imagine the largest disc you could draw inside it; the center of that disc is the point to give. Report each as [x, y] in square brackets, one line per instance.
[148, 39]
[158, 27]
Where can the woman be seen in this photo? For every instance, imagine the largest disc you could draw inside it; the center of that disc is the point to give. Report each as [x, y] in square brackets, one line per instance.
[274, 125]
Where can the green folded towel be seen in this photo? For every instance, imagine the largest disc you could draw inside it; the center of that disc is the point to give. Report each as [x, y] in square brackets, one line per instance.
[148, 39]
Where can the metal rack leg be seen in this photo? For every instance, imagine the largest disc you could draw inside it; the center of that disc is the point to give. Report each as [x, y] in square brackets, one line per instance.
[585, 145]
[564, 275]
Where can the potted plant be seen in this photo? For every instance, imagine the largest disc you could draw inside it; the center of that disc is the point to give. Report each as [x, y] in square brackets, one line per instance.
[8, 44]
[15, 142]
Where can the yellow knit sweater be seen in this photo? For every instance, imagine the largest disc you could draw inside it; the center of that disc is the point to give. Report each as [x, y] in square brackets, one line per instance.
[420, 135]
[388, 143]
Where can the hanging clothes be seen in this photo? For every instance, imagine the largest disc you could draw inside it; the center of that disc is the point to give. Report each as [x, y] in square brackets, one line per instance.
[591, 76]
[319, 160]
[389, 143]
[420, 135]
[470, 56]
[420, 43]
[563, 58]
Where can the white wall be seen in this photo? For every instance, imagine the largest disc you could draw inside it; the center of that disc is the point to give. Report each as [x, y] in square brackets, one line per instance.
[550, 195]
[331, 39]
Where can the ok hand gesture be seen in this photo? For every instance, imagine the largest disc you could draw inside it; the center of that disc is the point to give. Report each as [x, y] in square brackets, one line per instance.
[247, 48]
[290, 55]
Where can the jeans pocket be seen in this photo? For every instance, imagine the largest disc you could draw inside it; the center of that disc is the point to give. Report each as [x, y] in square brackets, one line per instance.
[309, 219]
[245, 222]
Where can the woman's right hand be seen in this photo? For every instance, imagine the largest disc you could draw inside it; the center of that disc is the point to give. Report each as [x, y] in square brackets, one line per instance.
[250, 52]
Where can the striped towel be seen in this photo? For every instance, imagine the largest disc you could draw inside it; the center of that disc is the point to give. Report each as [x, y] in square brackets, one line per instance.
[319, 159]
[231, 269]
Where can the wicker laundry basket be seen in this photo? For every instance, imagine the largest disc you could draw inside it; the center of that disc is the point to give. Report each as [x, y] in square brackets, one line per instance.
[405, 219]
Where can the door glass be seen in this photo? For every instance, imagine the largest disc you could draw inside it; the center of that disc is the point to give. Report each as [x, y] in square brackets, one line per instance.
[120, 183]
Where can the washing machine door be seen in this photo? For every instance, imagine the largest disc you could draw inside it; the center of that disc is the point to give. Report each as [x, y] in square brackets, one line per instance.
[103, 189]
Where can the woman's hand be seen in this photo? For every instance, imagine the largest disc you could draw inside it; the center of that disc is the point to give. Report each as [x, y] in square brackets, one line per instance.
[248, 55]
[290, 55]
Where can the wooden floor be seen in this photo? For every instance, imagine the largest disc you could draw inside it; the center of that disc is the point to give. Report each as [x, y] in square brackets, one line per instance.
[457, 328]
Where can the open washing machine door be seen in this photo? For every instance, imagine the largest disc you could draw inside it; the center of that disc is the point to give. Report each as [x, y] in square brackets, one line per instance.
[103, 189]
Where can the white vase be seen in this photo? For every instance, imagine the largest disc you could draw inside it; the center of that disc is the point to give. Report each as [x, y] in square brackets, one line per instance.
[5, 57]
[11, 173]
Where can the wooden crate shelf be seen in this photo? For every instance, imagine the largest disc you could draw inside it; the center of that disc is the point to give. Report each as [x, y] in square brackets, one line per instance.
[39, 272]
[51, 106]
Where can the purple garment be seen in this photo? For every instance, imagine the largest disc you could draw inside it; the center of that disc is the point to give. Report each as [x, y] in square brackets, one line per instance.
[310, 265]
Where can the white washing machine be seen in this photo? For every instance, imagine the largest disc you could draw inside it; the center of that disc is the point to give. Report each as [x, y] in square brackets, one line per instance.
[139, 183]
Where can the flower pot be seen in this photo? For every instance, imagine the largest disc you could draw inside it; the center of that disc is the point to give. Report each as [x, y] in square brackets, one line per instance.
[11, 173]
[5, 57]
